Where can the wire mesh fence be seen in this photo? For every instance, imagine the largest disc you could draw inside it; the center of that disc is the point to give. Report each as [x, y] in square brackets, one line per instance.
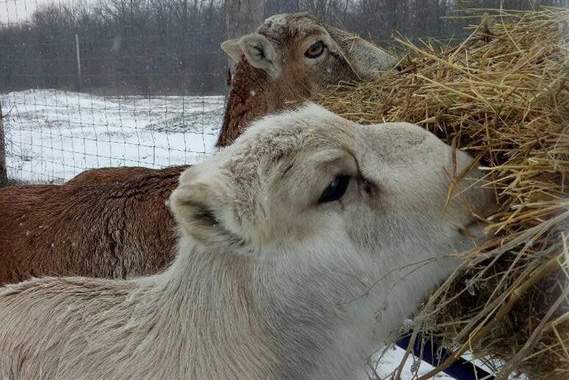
[103, 83]
[52, 135]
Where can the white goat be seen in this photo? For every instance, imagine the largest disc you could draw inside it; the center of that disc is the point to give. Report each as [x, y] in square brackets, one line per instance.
[291, 240]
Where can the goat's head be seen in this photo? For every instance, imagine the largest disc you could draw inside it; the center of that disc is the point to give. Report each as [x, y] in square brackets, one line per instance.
[291, 57]
[308, 186]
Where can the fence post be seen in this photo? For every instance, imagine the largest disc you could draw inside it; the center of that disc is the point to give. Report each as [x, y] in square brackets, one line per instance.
[242, 17]
[3, 170]
[78, 62]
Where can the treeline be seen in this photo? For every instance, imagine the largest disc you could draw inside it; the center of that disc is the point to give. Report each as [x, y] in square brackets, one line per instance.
[135, 46]
[172, 46]
[379, 20]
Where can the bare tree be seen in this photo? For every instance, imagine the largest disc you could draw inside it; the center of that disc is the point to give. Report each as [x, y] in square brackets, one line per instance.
[243, 16]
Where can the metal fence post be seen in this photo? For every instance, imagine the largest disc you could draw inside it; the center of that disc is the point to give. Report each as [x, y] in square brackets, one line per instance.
[3, 170]
[78, 62]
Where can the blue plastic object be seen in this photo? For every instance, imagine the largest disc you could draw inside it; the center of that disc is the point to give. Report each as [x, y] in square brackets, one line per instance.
[434, 354]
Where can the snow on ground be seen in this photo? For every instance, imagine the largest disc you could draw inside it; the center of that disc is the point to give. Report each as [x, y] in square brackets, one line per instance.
[53, 135]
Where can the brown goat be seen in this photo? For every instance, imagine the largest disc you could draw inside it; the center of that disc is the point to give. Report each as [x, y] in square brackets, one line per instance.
[97, 224]
[112, 222]
[291, 57]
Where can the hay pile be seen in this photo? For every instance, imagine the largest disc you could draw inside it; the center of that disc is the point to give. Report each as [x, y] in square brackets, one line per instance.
[502, 96]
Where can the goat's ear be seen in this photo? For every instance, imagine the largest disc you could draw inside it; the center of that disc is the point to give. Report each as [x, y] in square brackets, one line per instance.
[260, 53]
[193, 205]
[232, 49]
[366, 59]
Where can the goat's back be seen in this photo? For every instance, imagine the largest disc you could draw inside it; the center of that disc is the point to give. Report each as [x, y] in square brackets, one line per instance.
[111, 175]
[101, 227]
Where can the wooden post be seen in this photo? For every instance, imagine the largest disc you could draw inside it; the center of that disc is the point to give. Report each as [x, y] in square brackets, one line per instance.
[3, 170]
[242, 17]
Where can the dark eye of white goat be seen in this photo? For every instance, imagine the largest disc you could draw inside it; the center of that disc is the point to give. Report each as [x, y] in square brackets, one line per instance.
[336, 189]
[315, 50]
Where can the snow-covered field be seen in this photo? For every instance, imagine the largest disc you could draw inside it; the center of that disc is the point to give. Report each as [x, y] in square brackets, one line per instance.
[54, 135]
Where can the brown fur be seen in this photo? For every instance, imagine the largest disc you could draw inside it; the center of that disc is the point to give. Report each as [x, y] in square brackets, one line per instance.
[103, 223]
[270, 96]
[111, 175]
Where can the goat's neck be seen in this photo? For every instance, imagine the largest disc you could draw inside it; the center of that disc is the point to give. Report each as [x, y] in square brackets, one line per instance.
[323, 331]
[315, 316]
[237, 307]
[249, 98]
[302, 313]
[330, 313]
[206, 303]
[209, 283]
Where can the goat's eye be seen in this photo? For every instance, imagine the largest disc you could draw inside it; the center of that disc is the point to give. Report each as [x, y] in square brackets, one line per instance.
[336, 189]
[315, 50]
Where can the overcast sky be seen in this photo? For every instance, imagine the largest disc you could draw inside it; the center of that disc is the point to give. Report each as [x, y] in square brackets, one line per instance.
[13, 11]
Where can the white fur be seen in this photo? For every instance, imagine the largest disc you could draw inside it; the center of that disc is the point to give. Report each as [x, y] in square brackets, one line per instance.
[267, 282]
